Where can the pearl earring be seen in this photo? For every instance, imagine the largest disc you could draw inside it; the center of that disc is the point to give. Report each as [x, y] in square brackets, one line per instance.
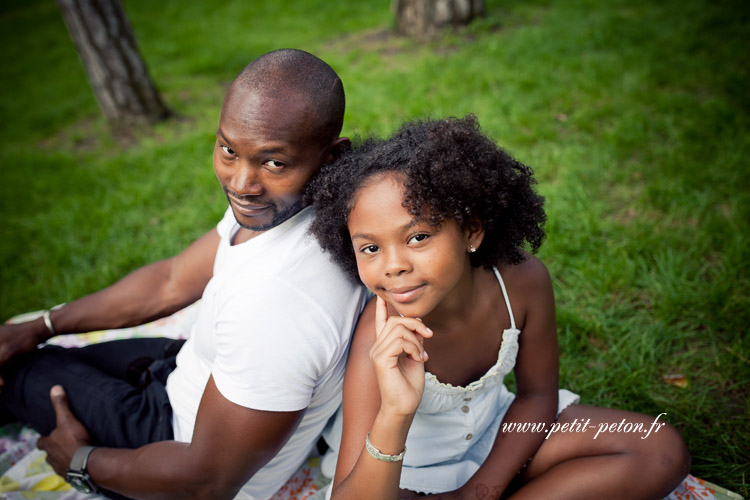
[472, 249]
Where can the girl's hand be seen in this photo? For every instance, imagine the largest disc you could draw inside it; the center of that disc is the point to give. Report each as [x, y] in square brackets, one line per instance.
[398, 356]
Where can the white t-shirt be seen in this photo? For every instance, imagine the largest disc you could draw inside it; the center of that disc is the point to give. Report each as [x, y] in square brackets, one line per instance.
[273, 329]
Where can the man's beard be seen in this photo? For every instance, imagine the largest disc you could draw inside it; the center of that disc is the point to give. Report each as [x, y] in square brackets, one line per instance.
[278, 217]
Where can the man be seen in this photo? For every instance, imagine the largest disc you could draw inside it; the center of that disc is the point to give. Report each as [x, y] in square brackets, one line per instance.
[261, 372]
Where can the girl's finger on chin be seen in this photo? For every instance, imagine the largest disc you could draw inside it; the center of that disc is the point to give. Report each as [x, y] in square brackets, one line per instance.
[408, 345]
[416, 325]
[396, 325]
[406, 332]
[381, 314]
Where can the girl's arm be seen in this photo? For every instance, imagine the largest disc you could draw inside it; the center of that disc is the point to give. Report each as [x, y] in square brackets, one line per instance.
[382, 389]
[536, 372]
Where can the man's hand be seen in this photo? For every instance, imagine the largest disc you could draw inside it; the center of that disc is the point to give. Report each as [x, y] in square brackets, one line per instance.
[19, 338]
[64, 440]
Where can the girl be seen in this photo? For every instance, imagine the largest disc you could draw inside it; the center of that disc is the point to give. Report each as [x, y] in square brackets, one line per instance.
[434, 221]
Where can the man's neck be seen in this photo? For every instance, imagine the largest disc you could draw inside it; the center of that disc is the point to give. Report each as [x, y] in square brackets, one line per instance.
[243, 234]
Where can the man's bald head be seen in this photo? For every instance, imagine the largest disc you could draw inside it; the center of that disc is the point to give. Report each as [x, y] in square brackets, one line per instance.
[291, 75]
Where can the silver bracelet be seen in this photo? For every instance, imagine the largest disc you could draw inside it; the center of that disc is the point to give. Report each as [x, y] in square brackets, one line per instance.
[378, 455]
[48, 322]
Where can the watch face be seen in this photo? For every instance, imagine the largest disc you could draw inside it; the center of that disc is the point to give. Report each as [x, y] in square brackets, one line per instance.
[81, 481]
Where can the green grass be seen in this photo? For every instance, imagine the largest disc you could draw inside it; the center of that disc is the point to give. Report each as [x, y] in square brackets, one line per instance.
[634, 115]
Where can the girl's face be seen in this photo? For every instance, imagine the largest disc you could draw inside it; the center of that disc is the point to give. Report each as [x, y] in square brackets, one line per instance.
[411, 264]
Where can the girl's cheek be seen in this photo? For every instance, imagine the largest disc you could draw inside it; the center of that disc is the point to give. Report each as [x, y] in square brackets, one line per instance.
[364, 278]
[366, 271]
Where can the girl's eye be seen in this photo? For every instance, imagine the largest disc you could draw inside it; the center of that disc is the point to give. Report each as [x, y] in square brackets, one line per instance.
[418, 238]
[274, 164]
[227, 150]
[370, 249]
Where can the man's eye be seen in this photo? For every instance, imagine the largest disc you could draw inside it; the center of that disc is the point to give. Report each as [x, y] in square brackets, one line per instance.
[274, 164]
[227, 150]
[370, 249]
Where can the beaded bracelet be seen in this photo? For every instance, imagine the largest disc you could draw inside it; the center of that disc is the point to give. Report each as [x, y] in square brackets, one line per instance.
[378, 455]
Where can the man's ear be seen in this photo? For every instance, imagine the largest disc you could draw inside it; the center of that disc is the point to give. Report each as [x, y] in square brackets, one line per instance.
[336, 149]
[474, 232]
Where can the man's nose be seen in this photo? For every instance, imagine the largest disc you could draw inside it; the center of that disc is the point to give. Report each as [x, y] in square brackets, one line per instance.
[246, 180]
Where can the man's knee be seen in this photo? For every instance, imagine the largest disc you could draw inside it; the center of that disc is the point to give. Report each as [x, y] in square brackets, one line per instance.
[27, 381]
[25, 372]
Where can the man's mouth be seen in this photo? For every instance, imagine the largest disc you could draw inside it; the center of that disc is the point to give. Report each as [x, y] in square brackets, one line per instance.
[247, 209]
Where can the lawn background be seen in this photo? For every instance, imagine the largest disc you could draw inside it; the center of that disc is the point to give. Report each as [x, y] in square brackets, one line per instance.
[633, 114]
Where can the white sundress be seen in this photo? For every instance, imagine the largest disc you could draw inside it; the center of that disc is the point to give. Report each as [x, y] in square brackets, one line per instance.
[455, 427]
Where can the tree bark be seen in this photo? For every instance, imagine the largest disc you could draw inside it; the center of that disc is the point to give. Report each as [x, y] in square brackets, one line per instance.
[423, 18]
[109, 52]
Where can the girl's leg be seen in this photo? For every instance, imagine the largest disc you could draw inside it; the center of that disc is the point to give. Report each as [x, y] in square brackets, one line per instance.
[603, 453]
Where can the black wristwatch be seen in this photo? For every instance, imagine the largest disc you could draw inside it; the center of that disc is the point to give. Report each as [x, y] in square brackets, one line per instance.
[77, 475]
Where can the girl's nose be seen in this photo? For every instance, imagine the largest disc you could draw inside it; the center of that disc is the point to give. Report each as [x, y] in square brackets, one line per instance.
[397, 263]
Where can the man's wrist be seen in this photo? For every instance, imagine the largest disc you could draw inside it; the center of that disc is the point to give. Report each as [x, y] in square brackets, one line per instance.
[36, 331]
[48, 323]
[32, 331]
[78, 475]
[50, 327]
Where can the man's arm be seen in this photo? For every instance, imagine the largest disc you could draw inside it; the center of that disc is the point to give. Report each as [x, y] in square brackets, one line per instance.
[149, 293]
[230, 444]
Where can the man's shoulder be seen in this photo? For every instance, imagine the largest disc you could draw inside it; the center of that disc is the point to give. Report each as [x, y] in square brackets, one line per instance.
[288, 269]
[299, 274]
[297, 258]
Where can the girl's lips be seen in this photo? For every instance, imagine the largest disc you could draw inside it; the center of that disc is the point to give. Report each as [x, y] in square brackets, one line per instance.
[406, 293]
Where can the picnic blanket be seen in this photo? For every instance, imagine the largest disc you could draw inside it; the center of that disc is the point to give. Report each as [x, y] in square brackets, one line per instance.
[25, 474]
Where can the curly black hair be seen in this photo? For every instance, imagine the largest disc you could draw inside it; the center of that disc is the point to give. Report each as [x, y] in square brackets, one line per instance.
[450, 170]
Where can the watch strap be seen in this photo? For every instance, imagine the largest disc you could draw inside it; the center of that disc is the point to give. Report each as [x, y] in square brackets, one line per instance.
[77, 475]
[81, 458]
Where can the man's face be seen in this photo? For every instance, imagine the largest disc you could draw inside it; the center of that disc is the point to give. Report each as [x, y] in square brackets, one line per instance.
[264, 156]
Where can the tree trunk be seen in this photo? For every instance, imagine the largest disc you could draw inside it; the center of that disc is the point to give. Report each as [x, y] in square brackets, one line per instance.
[116, 71]
[424, 17]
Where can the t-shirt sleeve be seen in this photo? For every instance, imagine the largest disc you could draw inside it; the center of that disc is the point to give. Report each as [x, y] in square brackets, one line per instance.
[272, 346]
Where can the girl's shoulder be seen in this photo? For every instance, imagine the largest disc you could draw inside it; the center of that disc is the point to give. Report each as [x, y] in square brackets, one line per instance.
[529, 275]
[529, 286]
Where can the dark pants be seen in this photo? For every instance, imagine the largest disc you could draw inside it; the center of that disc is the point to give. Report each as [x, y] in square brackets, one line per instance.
[116, 389]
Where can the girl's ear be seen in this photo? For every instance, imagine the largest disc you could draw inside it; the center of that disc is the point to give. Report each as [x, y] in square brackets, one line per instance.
[474, 233]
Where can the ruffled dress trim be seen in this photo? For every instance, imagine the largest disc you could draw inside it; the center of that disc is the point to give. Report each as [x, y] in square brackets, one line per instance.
[506, 357]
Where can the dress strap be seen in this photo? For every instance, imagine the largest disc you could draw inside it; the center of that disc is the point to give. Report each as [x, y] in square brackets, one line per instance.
[505, 295]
